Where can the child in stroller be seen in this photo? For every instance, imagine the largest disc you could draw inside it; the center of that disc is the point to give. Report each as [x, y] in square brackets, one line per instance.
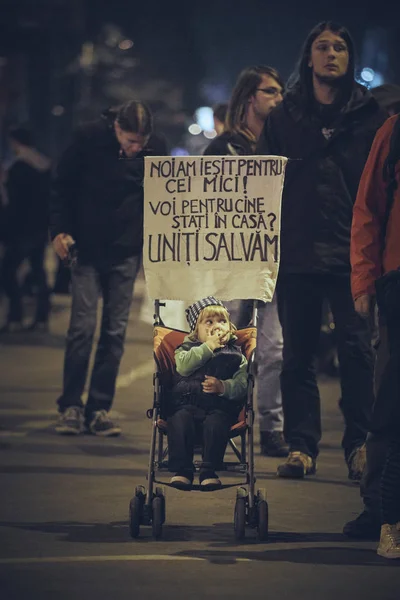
[208, 392]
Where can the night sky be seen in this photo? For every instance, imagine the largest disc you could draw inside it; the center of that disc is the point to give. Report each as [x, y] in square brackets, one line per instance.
[192, 49]
[211, 41]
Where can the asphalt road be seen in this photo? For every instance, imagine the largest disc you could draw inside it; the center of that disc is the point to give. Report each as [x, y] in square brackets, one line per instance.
[64, 502]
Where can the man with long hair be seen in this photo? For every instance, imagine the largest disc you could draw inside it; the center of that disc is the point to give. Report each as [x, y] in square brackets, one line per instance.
[257, 92]
[97, 208]
[325, 124]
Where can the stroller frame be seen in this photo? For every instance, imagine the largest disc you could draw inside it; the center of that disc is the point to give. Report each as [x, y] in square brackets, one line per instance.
[251, 507]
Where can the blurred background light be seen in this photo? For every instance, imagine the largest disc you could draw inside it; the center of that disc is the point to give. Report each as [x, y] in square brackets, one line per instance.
[194, 129]
[370, 78]
[125, 44]
[377, 80]
[87, 55]
[58, 110]
[210, 134]
[367, 74]
[205, 118]
[179, 151]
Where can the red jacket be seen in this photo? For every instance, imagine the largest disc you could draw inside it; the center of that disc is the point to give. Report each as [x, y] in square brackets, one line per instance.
[368, 259]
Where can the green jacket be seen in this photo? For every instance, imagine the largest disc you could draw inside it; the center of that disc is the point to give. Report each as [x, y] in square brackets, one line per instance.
[192, 356]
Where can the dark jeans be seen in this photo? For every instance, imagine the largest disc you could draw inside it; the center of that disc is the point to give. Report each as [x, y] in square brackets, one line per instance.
[114, 281]
[190, 424]
[390, 484]
[15, 254]
[382, 437]
[300, 300]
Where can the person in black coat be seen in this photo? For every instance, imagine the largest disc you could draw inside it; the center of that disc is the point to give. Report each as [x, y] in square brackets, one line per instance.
[97, 209]
[325, 126]
[25, 228]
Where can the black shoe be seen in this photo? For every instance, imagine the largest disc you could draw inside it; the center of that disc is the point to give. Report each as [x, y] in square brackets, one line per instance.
[209, 481]
[102, 425]
[70, 421]
[366, 526]
[272, 443]
[182, 480]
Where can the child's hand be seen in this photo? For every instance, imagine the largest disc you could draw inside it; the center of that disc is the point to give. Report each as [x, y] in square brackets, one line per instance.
[217, 338]
[222, 333]
[212, 385]
[214, 341]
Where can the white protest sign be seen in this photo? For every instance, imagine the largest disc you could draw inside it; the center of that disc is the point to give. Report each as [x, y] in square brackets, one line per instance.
[212, 226]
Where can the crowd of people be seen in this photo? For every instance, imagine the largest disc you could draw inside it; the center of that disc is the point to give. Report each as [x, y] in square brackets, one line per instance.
[340, 211]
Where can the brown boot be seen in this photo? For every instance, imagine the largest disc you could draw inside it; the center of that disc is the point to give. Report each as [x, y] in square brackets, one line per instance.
[297, 466]
[272, 443]
[389, 544]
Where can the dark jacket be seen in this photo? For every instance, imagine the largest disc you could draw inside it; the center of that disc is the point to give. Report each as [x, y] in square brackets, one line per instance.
[330, 146]
[188, 390]
[28, 191]
[98, 195]
[229, 143]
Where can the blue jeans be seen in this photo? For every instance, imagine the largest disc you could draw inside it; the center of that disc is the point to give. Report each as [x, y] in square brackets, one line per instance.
[269, 367]
[268, 357]
[114, 281]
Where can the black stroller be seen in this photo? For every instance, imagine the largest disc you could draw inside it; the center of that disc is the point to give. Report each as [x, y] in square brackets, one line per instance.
[149, 507]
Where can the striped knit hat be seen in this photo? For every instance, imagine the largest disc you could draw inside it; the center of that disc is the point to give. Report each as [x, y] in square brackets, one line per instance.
[193, 311]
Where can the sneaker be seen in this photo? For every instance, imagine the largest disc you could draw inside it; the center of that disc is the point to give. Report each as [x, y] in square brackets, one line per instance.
[297, 466]
[389, 544]
[356, 463]
[272, 443]
[182, 480]
[102, 425]
[209, 481]
[366, 526]
[70, 421]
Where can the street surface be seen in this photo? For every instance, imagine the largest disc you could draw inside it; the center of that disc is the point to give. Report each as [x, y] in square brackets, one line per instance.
[64, 501]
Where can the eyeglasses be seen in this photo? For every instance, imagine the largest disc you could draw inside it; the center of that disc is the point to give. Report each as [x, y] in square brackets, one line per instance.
[270, 91]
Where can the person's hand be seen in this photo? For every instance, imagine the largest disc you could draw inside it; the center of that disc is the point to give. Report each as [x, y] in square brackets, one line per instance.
[62, 243]
[217, 339]
[212, 385]
[223, 333]
[213, 341]
[363, 305]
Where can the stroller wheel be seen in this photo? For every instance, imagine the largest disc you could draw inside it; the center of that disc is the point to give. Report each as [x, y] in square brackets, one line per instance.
[158, 511]
[160, 493]
[239, 522]
[262, 520]
[135, 515]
